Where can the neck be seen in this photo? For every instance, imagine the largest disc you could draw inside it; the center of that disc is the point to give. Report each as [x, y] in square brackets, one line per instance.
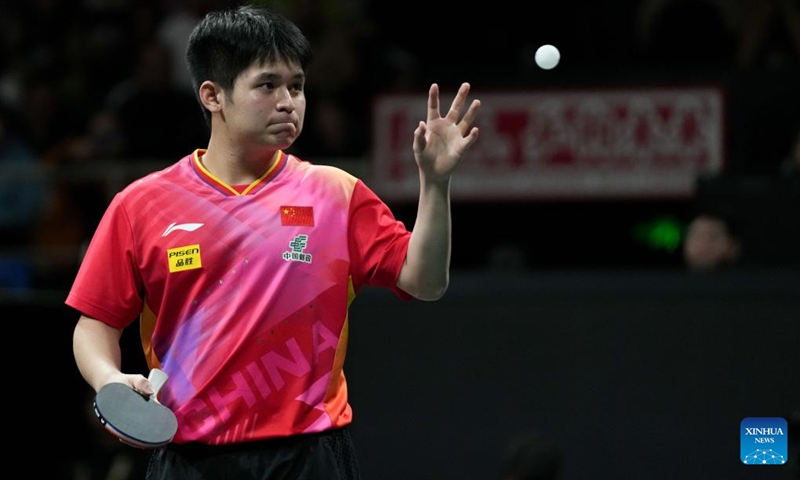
[237, 167]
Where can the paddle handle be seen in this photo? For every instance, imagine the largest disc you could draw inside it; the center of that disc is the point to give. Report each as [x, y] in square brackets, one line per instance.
[157, 379]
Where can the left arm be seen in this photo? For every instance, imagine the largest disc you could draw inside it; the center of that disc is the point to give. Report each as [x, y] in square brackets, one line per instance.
[439, 145]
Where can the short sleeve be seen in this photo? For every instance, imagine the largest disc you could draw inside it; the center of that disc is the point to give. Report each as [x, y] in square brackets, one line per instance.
[378, 242]
[107, 286]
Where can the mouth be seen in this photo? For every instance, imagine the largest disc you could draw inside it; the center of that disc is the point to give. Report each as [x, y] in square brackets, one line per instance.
[283, 127]
[283, 134]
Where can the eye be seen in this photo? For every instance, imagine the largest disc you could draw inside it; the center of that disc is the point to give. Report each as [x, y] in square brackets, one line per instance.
[297, 87]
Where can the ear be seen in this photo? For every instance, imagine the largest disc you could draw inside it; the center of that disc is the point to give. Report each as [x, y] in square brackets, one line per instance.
[210, 95]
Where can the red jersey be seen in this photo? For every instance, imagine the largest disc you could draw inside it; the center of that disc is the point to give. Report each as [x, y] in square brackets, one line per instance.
[243, 295]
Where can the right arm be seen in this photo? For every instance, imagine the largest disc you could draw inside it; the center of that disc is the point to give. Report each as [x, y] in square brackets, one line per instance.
[99, 357]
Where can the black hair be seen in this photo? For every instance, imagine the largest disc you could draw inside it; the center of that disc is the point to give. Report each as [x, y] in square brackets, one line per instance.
[227, 42]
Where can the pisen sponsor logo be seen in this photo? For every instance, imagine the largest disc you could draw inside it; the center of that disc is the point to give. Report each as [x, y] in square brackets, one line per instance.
[184, 258]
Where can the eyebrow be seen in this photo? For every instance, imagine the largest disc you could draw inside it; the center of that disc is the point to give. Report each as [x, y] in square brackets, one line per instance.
[270, 76]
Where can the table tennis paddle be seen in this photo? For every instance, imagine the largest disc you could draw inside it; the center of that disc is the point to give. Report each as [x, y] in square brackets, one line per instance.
[137, 419]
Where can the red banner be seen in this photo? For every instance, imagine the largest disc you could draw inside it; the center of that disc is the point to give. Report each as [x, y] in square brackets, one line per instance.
[571, 144]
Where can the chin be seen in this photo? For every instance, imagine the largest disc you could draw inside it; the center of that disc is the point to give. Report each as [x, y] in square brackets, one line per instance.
[285, 145]
[281, 141]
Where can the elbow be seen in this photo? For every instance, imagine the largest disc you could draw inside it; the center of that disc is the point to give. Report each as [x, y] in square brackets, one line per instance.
[431, 293]
[423, 285]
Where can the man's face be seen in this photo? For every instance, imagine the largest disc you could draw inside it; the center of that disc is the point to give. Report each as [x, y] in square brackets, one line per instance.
[709, 245]
[267, 105]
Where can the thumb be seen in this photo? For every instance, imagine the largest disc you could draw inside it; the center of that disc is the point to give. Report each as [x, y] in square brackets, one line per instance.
[419, 138]
[142, 385]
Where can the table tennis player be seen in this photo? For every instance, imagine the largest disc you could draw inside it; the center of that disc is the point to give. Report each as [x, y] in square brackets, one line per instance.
[240, 262]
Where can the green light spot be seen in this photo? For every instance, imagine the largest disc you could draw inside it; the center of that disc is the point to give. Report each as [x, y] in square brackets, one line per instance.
[661, 233]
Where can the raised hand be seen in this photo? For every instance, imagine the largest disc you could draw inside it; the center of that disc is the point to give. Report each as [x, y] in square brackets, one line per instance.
[441, 142]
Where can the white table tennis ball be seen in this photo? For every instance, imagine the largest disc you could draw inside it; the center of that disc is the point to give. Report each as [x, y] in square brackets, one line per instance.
[547, 57]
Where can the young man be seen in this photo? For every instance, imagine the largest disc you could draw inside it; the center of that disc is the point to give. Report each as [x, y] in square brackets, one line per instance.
[240, 262]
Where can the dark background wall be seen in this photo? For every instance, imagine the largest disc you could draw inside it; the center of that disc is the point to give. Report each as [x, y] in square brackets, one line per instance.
[635, 375]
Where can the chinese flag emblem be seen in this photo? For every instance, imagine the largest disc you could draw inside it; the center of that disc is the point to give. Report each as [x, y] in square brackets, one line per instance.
[297, 216]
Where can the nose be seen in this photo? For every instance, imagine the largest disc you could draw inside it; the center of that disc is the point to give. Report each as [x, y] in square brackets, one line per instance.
[285, 100]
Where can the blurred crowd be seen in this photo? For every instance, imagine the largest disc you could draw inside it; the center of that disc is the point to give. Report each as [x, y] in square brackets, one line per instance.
[98, 88]
[94, 93]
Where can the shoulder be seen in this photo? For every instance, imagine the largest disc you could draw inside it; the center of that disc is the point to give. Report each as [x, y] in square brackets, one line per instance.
[336, 178]
[326, 173]
[170, 173]
[157, 180]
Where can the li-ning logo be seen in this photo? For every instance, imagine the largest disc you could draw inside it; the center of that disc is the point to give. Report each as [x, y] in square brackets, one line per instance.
[188, 227]
[763, 441]
[184, 258]
[298, 244]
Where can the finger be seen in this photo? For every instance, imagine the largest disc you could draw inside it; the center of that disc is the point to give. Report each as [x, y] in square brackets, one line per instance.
[433, 102]
[142, 385]
[419, 138]
[458, 103]
[471, 138]
[469, 117]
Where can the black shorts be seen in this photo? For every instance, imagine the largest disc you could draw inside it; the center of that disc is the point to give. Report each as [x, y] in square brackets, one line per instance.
[319, 456]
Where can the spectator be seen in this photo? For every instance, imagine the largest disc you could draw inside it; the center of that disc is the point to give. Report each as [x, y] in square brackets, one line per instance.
[179, 125]
[712, 242]
[23, 191]
[340, 99]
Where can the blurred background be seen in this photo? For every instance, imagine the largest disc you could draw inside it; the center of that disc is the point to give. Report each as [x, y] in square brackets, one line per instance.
[576, 310]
